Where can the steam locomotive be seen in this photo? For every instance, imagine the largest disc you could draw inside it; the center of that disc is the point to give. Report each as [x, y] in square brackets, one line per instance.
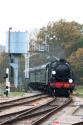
[55, 78]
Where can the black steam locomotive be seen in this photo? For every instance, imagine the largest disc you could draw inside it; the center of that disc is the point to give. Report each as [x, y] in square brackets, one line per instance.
[55, 77]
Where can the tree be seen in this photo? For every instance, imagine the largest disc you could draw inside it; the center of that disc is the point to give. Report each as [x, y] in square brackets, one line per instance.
[62, 30]
[4, 63]
[63, 33]
[76, 59]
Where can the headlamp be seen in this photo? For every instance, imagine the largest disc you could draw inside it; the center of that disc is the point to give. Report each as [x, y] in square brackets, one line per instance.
[70, 80]
[53, 72]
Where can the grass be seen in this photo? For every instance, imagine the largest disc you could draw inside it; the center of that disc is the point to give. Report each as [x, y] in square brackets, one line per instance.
[79, 91]
[17, 94]
[13, 94]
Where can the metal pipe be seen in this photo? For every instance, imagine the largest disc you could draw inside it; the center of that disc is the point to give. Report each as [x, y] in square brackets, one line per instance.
[10, 28]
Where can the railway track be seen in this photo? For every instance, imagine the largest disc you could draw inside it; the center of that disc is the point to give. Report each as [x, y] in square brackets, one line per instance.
[38, 114]
[79, 123]
[20, 101]
[30, 104]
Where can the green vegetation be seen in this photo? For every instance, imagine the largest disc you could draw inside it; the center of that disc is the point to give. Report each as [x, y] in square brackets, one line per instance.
[79, 91]
[13, 94]
[16, 94]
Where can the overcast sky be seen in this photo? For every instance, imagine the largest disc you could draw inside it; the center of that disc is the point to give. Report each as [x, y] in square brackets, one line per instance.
[30, 14]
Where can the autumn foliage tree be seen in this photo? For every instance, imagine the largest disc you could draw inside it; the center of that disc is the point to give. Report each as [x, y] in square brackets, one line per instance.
[63, 33]
[62, 30]
[4, 63]
[76, 60]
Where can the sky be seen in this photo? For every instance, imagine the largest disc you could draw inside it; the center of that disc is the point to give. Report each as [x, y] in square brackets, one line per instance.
[34, 14]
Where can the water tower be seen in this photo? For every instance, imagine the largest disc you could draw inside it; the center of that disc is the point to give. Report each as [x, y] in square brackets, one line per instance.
[17, 45]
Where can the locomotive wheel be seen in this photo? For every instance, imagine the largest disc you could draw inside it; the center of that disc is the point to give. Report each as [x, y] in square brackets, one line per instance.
[61, 93]
[50, 91]
[67, 93]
